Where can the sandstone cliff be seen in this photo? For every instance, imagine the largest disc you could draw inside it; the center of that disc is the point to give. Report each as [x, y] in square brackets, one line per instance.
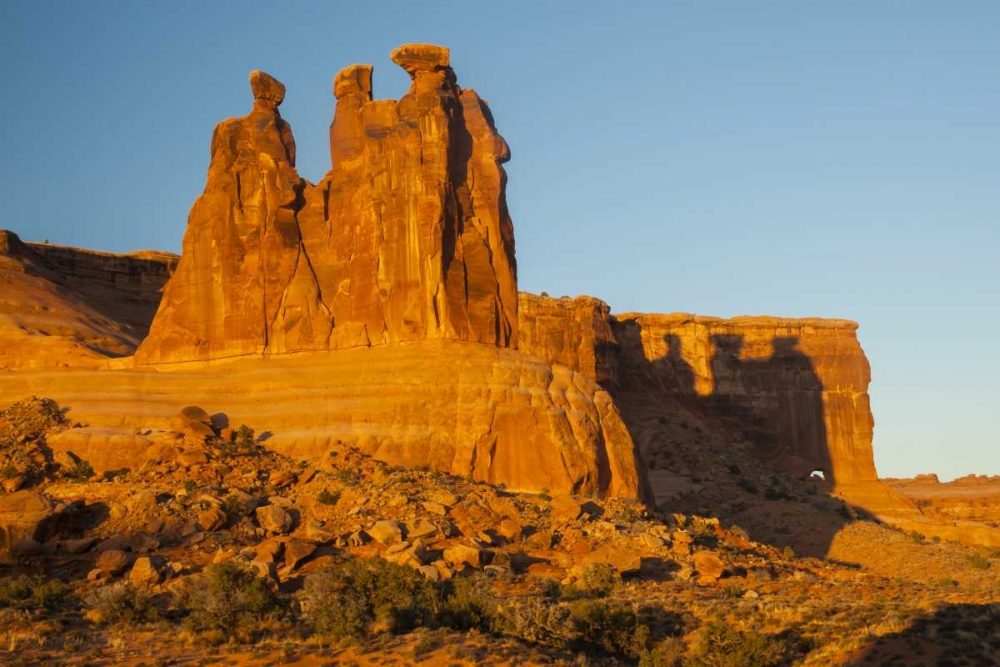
[796, 388]
[572, 332]
[64, 306]
[477, 411]
[407, 238]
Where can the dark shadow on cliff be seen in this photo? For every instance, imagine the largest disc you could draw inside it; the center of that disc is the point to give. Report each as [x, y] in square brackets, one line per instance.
[957, 635]
[744, 439]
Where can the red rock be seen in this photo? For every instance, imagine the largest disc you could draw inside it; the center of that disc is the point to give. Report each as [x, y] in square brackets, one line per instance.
[407, 238]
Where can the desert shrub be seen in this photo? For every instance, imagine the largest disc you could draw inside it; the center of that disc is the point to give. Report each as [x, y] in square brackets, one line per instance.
[26, 592]
[721, 645]
[326, 497]
[596, 580]
[360, 597]
[245, 434]
[230, 601]
[120, 603]
[747, 485]
[979, 562]
[81, 471]
[788, 552]
[668, 653]
[468, 604]
[233, 506]
[611, 627]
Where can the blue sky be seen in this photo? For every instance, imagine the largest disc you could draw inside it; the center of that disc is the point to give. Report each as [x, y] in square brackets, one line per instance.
[797, 159]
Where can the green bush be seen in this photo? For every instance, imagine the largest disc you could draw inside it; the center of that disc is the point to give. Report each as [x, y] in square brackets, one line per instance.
[232, 600]
[468, 604]
[597, 580]
[26, 592]
[979, 562]
[80, 471]
[120, 603]
[721, 645]
[362, 597]
[326, 497]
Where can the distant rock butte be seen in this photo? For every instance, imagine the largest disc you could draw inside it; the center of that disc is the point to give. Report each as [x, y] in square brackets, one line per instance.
[64, 306]
[406, 238]
[796, 388]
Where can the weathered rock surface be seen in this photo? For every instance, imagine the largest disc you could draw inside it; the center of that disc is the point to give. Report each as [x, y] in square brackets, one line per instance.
[70, 307]
[473, 410]
[575, 333]
[407, 238]
[28, 515]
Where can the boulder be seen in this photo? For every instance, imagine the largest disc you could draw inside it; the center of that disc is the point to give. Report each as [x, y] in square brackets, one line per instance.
[212, 519]
[709, 566]
[114, 561]
[29, 515]
[145, 572]
[274, 519]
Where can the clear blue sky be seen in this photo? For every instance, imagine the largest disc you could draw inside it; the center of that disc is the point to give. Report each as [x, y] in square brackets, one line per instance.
[837, 159]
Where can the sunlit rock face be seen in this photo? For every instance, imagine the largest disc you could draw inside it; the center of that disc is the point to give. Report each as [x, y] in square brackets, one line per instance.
[573, 332]
[406, 238]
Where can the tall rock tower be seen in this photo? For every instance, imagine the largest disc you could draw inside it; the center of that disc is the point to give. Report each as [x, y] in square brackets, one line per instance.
[407, 237]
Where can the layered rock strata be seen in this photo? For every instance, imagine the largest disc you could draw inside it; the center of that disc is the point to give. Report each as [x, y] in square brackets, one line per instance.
[478, 411]
[407, 237]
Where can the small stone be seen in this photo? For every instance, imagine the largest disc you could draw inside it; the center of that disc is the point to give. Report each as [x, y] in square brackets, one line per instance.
[435, 508]
[709, 566]
[357, 538]
[80, 546]
[421, 528]
[511, 530]
[281, 478]
[212, 519]
[430, 572]
[566, 509]
[269, 551]
[652, 541]
[463, 554]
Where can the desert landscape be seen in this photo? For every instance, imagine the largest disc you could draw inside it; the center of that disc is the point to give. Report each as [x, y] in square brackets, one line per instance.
[333, 431]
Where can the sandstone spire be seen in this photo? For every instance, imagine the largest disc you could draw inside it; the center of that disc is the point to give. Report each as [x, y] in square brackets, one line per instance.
[407, 237]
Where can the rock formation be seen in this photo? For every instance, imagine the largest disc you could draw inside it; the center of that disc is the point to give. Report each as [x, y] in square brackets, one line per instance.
[407, 237]
[575, 333]
[796, 388]
[70, 307]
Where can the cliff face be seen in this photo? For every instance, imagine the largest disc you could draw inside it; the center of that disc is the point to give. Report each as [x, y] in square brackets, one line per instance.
[69, 307]
[407, 238]
[796, 388]
[575, 333]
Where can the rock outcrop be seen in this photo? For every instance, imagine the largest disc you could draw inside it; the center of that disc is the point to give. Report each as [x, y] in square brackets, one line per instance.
[796, 388]
[407, 238]
[572, 332]
[64, 306]
[477, 411]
